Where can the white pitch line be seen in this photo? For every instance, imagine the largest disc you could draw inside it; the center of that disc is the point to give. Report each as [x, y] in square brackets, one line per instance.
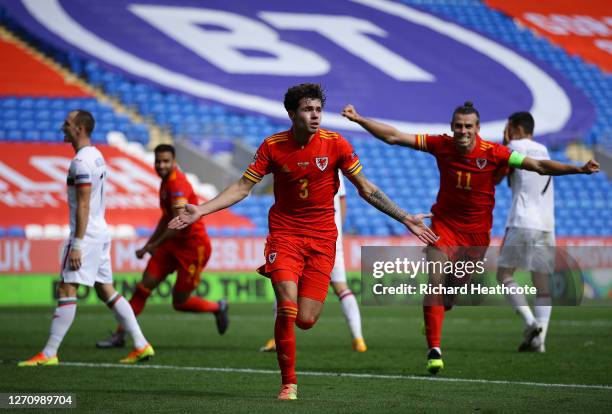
[339, 374]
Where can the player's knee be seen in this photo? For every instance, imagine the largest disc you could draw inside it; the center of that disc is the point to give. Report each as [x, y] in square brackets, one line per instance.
[305, 324]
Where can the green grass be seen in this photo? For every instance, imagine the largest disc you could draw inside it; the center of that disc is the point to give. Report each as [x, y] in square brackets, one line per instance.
[478, 343]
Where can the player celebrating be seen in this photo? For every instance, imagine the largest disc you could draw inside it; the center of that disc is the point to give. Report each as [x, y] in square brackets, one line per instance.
[350, 308]
[186, 251]
[463, 213]
[301, 246]
[86, 257]
[530, 233]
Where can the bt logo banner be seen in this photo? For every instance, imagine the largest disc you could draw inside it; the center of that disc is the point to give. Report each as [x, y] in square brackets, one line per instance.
[394, 62]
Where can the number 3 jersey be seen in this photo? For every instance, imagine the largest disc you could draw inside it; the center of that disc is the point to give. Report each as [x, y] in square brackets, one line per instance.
[305, 181]
[467, 181]
[88, 168]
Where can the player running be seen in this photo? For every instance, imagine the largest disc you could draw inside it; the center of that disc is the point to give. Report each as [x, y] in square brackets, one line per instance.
[348, 302]
[86, 256]
[186, 251]
[301, 247]
[463, 213]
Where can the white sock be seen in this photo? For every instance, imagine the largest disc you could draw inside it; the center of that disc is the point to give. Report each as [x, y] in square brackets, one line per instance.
[62, 319]
[519, 303]
[351, 312]
[543, 309]
[124, 314]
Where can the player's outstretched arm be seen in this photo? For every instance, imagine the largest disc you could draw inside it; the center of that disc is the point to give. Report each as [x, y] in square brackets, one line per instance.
[228, 197]
[382, 131]
[373, 195]
[550, 167]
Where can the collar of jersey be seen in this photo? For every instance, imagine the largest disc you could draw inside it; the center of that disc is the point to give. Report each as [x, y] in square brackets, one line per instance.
[295, 143]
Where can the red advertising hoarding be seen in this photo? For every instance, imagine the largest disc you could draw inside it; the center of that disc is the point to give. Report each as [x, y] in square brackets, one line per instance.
[582, 28]
[229, 254]
[33, 187]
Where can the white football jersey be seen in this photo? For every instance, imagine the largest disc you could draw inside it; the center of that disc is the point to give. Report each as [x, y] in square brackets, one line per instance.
[533, 196]
[88, 168]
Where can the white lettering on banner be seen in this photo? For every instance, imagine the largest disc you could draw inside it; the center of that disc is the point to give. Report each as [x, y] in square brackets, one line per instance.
[54, 167]
[564, 25]
[232, 254]
[605, 45]
[33, 200]
[127, 174]
[15, 256]
[232, 33]
[124, 173]
[24, 183]
[351, 34]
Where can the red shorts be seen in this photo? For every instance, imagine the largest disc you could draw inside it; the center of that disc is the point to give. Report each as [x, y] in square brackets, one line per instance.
[309, 260]
[459, 245]
[187, 257]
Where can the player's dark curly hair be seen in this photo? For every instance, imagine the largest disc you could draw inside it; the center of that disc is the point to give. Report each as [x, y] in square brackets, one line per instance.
[165, 148]
[466, 109]
[303, 90]
[85, 119]
[524, 120]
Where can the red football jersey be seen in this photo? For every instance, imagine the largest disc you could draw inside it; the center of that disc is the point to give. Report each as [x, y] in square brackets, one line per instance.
[305, 180]
[467, 181]
[176, 190]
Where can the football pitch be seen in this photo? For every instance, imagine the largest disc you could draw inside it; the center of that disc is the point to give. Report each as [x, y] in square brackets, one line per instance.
[196, 370]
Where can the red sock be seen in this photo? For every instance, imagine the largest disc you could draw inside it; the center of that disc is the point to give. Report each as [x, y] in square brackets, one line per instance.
[196, 304]
[434, 317]
[284, 335]
[139, 299]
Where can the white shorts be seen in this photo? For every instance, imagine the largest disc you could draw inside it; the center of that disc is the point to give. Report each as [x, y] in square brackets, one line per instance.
[95, 264]
[339, 271]
[528, 249]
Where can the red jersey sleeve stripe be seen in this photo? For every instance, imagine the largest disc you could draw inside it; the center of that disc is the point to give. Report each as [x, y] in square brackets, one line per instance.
[422, 142]
[353, 165]
[356, 170]
[252, 175]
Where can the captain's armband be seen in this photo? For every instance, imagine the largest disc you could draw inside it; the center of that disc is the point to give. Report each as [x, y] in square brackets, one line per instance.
[516, 159]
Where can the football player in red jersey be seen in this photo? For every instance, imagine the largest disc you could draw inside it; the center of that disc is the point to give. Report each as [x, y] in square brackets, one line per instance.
[301, 246]
[470, 167]
[186, 251]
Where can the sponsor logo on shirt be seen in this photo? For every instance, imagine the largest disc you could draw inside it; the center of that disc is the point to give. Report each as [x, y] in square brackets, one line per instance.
[303, 164]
